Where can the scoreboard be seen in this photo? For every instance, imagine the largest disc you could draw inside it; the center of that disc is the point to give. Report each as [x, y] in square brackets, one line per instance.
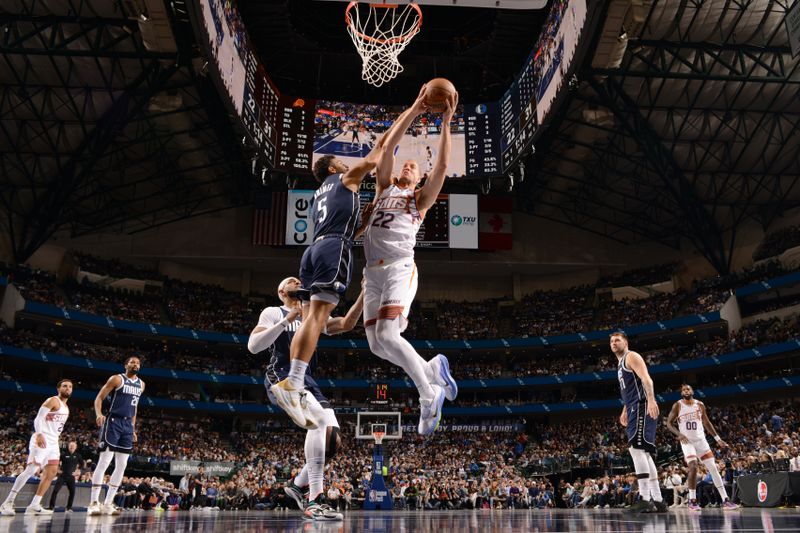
[488, 138]
[482, 136]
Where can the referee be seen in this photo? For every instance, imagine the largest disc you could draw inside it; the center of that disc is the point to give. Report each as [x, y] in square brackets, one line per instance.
[69, 463]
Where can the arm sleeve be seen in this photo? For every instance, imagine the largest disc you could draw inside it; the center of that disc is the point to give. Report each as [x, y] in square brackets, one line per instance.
[38, 422]
[272, 319]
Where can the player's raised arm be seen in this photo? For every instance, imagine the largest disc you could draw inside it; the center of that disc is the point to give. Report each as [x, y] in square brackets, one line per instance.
[433, 185]
[355, 175]
[637, 364]
[710, 427]
[341, 324]
[392, 138]
[113, 382]
[672, 426]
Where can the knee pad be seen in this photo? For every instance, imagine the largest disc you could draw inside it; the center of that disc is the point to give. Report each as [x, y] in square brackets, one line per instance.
[332, 445]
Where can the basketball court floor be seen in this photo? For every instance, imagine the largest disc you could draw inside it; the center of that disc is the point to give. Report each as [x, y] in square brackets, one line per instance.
[506, 521]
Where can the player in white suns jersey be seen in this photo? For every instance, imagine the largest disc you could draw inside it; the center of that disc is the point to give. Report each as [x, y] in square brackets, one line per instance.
[692, 421]
[43, 450]
[391, 276]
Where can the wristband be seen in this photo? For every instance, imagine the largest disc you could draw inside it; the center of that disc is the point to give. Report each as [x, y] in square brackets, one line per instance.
[717, 438]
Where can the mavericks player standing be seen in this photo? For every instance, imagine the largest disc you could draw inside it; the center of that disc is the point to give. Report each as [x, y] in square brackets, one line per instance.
[117, 432]
[274, 332]
[691, 418]
[391, 276]
[639, 416]
[43, 450]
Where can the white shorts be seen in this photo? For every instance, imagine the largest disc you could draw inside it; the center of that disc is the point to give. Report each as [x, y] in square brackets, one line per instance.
[695, 450]
[50, 455]
[389, 289]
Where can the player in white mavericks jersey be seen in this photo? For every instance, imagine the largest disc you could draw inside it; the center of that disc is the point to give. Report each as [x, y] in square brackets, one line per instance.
[692, 421]
[391, 275]
[44, 451]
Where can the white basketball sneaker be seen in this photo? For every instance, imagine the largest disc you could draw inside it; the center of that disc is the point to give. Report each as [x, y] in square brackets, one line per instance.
[441, 370]
[430, 412]
[109, 509]
[37, 510]
[7, 509]
[293, 402]
[94, 509]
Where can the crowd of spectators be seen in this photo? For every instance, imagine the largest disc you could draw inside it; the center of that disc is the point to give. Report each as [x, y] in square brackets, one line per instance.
[468, 365]
[453, 470]
[777, 242]
[640, 276]
[543, 313]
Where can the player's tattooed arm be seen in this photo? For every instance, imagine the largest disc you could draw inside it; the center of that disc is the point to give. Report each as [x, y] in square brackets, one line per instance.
[636, 363]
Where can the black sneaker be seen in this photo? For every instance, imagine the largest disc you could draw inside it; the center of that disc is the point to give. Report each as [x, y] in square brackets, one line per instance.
[662, 507]
[650, 508]
[638, 507]
[296, 493]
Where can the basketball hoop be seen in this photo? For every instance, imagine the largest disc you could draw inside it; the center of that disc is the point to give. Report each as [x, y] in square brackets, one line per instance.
[378, 435]
[380, 32]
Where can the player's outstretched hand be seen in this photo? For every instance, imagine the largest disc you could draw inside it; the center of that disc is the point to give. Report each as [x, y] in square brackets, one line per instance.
[450, 108]
[100, 421]
[40, 442]
[722, 444]
[419, 106]
[652, 409]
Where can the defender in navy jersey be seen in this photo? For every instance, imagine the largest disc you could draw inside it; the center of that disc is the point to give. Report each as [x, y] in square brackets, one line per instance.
[117, 431]
[273, 334]
[640, 418]
[325, 269]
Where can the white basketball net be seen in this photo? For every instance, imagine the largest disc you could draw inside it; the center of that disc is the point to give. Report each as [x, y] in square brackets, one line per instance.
[380, 33]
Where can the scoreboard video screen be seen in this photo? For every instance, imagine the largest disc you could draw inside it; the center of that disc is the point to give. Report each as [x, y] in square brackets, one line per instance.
[291, 132]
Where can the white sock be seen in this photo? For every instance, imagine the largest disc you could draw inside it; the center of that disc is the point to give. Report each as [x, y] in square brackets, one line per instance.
[692, 494]
[301, 479]
[655, 489]
[36, 501]
[315, 460]
[100, 473]
[711, 465]
[297, 374]
[388, 332]
[22, 478]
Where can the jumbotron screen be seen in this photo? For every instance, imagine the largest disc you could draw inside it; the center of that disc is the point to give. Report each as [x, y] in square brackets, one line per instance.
[349, 131]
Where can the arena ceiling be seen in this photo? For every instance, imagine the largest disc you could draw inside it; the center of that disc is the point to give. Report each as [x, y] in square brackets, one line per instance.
[683, 130]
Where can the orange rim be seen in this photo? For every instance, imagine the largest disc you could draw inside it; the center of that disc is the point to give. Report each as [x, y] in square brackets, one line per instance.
[400, 38]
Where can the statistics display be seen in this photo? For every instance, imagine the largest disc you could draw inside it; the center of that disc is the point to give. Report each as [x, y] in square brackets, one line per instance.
[452, 221]
[281, 126]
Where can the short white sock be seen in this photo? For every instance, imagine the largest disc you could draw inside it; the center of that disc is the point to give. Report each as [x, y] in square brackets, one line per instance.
[36, 501]
[692, 494]
[297, 374]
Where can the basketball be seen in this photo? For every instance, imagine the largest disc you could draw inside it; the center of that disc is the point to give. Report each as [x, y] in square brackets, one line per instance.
[437, 91]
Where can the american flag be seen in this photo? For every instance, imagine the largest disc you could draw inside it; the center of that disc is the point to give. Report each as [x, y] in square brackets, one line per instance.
[269, 219]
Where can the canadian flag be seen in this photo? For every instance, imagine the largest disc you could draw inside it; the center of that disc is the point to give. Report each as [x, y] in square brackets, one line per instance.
[494, 219]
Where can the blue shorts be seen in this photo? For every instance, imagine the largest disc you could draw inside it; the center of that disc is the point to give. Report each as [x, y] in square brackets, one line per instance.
[116, 434]
[641, 428]
[274, 375]
[327, 266]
